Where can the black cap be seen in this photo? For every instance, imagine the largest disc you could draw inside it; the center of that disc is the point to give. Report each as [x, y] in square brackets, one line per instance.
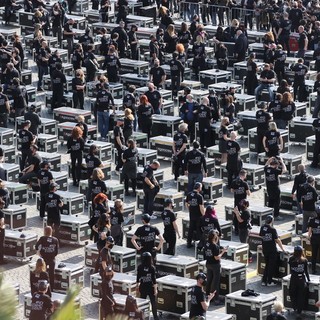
[202, 276]
[110, 239]
[298, 248]
[53, 185]
[42, 285]
[197, 185]
[196, 144]
[269, 219]
[44, 163]
[168, 201]
[146, 218]
[146, 254]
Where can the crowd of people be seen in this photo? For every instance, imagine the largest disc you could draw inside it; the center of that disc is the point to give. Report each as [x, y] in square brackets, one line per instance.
[279, 20]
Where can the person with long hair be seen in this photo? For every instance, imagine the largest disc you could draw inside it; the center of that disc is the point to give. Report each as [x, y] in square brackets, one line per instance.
[144, 113]
[251, 81]
[39, 274]
[165, 19]
[272, 141]
[147, 283]
[298, 281]
[223, 135]
[184, 36]
[182, 56]
[129, 170]
[213, 264]
[209, 221]
[128, 124]
[170, 39]
[131, 309]
[199, 52]
[116, 220]
[222, 56]
[103, 225]
[97, 184]
[78, 87]
[229, 108]
[288, 108]
[268, 45]
[75, 147]
[283, 87]
[107, 300]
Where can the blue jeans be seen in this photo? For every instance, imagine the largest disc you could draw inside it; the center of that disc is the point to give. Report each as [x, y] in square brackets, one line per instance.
[262, 86]
[42, 70]
[192, 179]
[103, 123]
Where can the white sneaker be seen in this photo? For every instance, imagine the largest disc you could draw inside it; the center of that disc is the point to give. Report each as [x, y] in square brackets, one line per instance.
[272, 284]
[153, 217]
[263, 283]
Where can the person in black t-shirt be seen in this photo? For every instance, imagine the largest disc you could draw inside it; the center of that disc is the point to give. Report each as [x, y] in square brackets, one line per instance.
[209, 222]
[240, 188]
[278, 312]
[26, 139]
[56, 17]
[299, 180]
[117, 220]
[75, 146]
[302, 42]
[58, 79]
[4, 109]
[112, 64]
[146, 235]
[180, 141]
[131, 309]
[272, 141]
[129, 170]
[234, 162]
[157, 74]
[91, 64]
[147, 283]
[150, 187]
[299, 85]
[77, 57]
[32, 166]
[69, 35]
[41, 303]
[170, 226]
[267, 78]
[53, 207]
[129, 102]
[199, 303]
[273, 169]
[97, 184]
[2, 235]
[45, 178]
[37, 275]
[270, 239]
[33, 117]
[133, 42]
[284, 32]
[48, 248]
[263, 118]
[314, 236]
[316, 148]
[307, 197]
[105, 261]
[195, 204]
[223, 136]
[176, 72]
[280, 57]
[154, 98]
[195, 166]
[78, 87]
[213, 256]
[119, 143]
[204, 115]
[298, 288]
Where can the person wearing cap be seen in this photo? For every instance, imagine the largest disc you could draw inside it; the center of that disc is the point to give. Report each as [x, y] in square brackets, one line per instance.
[195, 165]
[4, 109]
[107, 302]
[234, 162]
[298, 282]
[119, 143]
[105, 261]
[195, 205]
[26, 139]
[176, 73]
[147, 282]
[157, 74]
[150, 187]
[68, 34]
[39, 274]
[53, 206]
[34, 118]
[273, 169]
[199, 303]
[314, 236]
[263, 118]
[180, 141]
[32, 166]
[278, 312]
[170, 226]
[48, 248]
[41, 303]
[270, 240]
[272, 141]
[155, 98]
[307, 197]
[146, 235]
[45, 178]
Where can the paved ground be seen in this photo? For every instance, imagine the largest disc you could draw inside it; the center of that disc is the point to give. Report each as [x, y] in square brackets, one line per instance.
[16, 272]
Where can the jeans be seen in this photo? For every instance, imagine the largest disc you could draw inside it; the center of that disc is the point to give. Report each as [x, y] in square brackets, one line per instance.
[42, 70]
[262, 86]
[149, 195]
[103, 123]
[213, 280]
[271, 262]
[306, 216]
[192, 179]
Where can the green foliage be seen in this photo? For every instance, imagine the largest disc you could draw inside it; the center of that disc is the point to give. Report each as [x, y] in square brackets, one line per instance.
[8, 301]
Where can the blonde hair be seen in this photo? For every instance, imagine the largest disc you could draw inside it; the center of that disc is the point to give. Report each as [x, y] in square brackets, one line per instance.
[171, 30]
[183, 126]
[224, 121]
[97, 174]
[80, 118]
[128, 114]
[278, 306]
[273, 126]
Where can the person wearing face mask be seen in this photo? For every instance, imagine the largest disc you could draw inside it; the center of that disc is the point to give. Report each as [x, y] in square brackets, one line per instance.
[170, 226]
[155, 98]
[105, 259]
[157, 74]
[176, 72]
[199, 302]
[214, 105]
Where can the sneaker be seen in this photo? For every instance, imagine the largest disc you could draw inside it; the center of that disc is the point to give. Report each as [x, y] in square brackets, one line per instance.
[153, 217]
[272, 284]
[264, 284]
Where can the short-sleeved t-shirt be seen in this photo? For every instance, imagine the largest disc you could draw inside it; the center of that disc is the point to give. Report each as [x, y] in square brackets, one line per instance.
[211, 250]
[314, 224]
[44, 176]
[197, 296]
[194, 200]
[268, 235]
[168, 218]
[92, 162]
[245, 216]
[40, 304]
[147, 235]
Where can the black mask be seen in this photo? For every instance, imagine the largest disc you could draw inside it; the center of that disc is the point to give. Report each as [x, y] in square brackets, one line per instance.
[110, 245]
[204, 283]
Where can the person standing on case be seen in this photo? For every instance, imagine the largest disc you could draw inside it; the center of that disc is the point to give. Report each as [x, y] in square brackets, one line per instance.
[270, 239]
[199, 303]
[298, 281]
[170, 226]
[147, 283]
[314, 236]
[48, 248]
[195, 204]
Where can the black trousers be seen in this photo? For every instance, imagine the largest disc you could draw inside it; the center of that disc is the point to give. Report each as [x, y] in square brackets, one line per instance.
[260, 135]
[297, 292]
[271, 259]
[149, 292]
[194, 227]
[78, 99]
[178, 166]
[51, 264]
[76, 162]
[171, 239]
[133, 184]
[119, 159]
[316, 150]
[57, 97]
[149, 195]
[4, 120]
[213, 279]
[42, 208]
[24, 156]
[55, 225]
[2, 234]
[205, 135]
[175, 85]
[274, 201]
[315, 244]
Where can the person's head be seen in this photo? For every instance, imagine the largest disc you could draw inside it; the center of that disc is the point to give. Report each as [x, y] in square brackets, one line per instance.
[285, 15]
[284, 83]
[131, 144]
[287, 98]
[45, 164]
[134, 28]
[132, 88]
[278, 307]
[100, 198]
[273, 126]
[180, 48]
[189, 98]
[205, 101]
[146, 259]
[183, 127]
[131, 304]
[243, 174]
[43, 286]
[186, 91]
[156, 63]
[151, 86]
[120, 122]
[79, 74]
[274, 162]
[184, 27]
[155, 165]
[199, 39]
[53, 187]
[301, 29]
[310, 180]
[112, 49]
[145, 218]
[122, 24]
[195, 145]
[26, 125]
[97, 174]
[210, 211]
[233, 135]
[266, 66]
[244, 204]
[76, 133]
[118, 205]
[263, 105]
[2, 184]
[301, 167]
[213, 236]
[269, 219]
[144, 100]
[34, 149]
[300, 60]
[197, 186]
[175, 55]
[168, 203]
[93, 149]
[80, 118]
[201, 279]
[171, 29]
[40, 266]
[298, 252]
[47, 231]
[163, 11]
[59, 66]
[225, 121]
